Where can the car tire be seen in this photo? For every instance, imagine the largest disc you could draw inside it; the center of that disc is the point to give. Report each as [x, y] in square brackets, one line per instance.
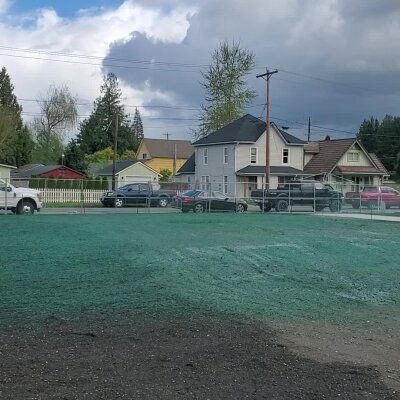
[118, 202]
[267, 207]
[355, 205]
[198, 208]
[372, 204]
[240, 208]
[282, 206]
[25, 207]
[335, 205]
[319, 208]
[163, 202]
[185, 211]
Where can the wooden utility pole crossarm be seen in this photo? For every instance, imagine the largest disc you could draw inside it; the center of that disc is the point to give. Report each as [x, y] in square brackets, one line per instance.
[268, 74]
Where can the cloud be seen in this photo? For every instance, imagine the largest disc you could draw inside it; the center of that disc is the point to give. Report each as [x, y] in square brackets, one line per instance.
[91, 33]
[4, 5]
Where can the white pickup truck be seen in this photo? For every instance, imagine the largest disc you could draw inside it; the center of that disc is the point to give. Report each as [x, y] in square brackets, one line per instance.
[19, 200]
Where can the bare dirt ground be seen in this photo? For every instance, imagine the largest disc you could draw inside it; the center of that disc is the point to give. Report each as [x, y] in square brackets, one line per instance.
[189, 358]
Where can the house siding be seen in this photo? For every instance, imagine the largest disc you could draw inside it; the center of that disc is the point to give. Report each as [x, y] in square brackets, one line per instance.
[216, 169]
[363, 162]
[5, 173]
[158, 163]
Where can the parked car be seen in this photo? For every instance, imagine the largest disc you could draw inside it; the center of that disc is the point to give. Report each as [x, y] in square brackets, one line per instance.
[135, 194]
[200, 201]
[374, 197]
[19, 200]
[299, 192]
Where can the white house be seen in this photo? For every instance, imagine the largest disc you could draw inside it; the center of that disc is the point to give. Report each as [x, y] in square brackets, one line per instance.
[129, 171]
[232, 159]
[344, 163]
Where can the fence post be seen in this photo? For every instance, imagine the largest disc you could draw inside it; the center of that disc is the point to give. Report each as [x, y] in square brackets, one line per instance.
[314, 198]
[6, 195]
[82, 197]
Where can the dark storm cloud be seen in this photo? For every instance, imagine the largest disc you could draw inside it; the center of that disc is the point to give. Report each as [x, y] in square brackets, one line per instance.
[352, 47]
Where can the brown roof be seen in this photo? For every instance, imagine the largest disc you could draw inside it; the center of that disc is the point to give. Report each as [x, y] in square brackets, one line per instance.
[378, 164]
[330, 152]
[166, 148]
[357, 169]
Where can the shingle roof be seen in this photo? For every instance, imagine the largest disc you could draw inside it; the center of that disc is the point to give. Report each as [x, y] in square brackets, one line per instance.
[330, 152]
[166, 148]
[274, 170]
[378, 164]
[120, 166]
[357, 169]
[245, 129]
[33, 170]
[188, 167]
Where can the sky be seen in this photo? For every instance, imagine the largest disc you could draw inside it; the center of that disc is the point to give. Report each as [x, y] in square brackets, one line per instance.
[337, 60]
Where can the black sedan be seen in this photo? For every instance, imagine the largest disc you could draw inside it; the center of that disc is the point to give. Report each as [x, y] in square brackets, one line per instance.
[201, 201]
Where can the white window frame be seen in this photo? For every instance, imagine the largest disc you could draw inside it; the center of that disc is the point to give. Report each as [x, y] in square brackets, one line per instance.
[205, 183]
[205, 156]
[225, 155]
[225, 184]
[252, 155]
[353, 156]
[287, 156]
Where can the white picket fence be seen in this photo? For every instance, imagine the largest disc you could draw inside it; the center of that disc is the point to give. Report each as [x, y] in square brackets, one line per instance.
[70, 195]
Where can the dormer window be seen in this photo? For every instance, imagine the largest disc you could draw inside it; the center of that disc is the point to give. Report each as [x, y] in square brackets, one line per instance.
[144, 156]
[353, 156]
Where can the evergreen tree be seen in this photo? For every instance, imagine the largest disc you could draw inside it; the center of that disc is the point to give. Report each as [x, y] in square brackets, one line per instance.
[97, 132]
[226, 88]
[137, 126]
[15, 139]
[74, 157]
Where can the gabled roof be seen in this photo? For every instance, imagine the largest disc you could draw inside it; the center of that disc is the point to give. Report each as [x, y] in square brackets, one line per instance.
[166, 148]
[378, 164]
[274, 170]
[246, 129]
[189, 166]
[330, 152]
[27, 171]
[119, 166]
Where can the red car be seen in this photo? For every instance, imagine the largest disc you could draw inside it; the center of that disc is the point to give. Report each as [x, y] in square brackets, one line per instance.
[374, 197]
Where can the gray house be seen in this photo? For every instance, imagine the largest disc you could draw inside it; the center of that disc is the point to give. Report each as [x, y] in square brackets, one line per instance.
[232, 159]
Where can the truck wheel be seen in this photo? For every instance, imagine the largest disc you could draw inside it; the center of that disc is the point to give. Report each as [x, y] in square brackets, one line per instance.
[335, 206]
[118, 202]
[163, 202]
[267, 207]
[282, 206]
[240, 208]
[198, 208]
[355, 205]
[25, 207]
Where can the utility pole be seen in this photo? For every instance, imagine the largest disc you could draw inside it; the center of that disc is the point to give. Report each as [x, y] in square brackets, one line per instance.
[114, 169]
[174, 162]
[309, 129]
[268, 74]
[167, 135]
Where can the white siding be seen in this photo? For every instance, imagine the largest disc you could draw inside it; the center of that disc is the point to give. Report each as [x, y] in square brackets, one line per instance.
[5, 173]
[363, 161]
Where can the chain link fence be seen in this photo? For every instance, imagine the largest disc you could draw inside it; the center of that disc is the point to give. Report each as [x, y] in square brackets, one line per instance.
[96, 196]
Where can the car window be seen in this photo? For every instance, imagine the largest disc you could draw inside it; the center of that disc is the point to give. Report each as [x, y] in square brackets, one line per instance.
[389, 190]
[370, 189]
[319, 186]
[191, 193]
[202, 195]
[218, 195]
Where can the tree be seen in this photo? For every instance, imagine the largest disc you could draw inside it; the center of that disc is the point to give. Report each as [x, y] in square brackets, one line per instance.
[97, 132]
[165, 175]
[58, 115]
[226, 88]
[15, 139]
[74, 157]
[137, 126]
[383, 139]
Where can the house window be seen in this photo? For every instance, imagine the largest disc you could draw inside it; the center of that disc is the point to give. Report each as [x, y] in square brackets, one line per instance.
[353, 156]
[144, 156]
[205, 156]
[225, 156]
[188, 179]
[285, 156]
[253, 155]
[225, 184]
[205, 182]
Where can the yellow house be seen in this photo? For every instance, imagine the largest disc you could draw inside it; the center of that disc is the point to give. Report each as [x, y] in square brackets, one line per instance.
[161, 154]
